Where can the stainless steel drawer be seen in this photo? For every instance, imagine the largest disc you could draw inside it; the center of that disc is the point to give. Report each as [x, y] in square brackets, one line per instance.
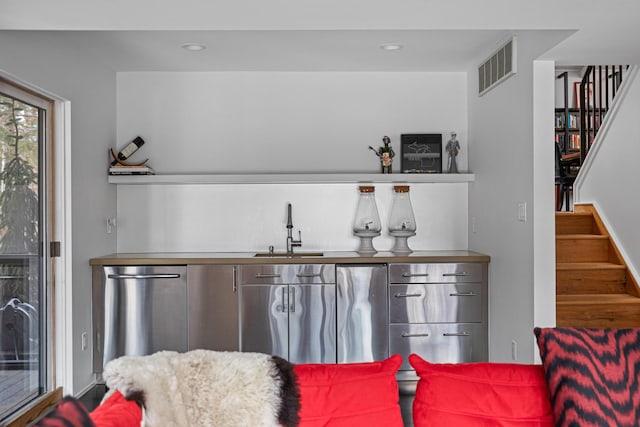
[287, 273]
[427, 303]
[439, 343]
[435, 273]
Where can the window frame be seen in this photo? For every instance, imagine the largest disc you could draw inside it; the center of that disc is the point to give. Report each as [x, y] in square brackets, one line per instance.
[48, 183]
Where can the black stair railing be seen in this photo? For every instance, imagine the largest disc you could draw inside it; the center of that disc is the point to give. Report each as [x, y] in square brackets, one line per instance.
[594, 95]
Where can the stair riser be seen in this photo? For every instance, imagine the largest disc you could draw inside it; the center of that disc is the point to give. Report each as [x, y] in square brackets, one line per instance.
[582, 250]
[598, 316]
[569, 282]
[574, 224]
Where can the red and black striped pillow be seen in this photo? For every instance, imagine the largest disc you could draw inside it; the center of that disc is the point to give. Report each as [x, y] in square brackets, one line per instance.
[69, 412]
[593, 375]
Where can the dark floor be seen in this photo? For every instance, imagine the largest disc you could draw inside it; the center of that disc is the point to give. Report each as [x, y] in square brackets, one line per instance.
[92, 398]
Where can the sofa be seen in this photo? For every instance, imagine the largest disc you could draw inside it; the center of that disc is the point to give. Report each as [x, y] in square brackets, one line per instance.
[588, 377]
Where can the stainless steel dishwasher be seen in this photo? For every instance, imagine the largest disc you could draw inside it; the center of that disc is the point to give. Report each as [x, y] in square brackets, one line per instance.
[362, 318]
[138, 310]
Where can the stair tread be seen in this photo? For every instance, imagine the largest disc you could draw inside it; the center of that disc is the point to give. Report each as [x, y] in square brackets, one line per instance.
[589, 266]
[600, 299]
[574, 214]
[581, 236]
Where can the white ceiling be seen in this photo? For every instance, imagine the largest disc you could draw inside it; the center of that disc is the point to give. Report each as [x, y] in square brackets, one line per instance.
[290, 50]
[329, 35]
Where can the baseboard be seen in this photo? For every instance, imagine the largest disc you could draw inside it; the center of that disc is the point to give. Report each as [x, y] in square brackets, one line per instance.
[86, 390]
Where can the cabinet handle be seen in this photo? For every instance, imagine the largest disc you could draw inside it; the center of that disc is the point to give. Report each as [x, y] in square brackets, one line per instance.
[285, 307]
[143, 276]
[461, 274]
[456, 334]
[406, 295]
[234, 287]
[463, 294]
[292, 303]
[308, 274]
[415, 274]
[408, 335]
[267, 275]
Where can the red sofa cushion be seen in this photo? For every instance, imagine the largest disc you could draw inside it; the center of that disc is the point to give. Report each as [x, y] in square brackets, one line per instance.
[480, 394]
[117, 411]
[592, 375]
[349, 395]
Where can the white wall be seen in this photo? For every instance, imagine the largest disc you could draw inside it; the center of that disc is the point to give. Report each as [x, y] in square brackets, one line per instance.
[281, 122]
[247, 122]
[608, 179]
[544, 221]
[49, 62]
[502, 156]
[238, 218]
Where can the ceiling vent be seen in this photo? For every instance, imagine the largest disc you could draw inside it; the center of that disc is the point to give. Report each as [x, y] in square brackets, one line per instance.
[497, 68]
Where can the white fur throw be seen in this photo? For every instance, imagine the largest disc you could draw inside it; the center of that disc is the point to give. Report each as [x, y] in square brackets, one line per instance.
[207, 388]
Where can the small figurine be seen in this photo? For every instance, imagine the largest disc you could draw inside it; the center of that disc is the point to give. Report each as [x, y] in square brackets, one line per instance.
[385, 154]
[453, 148]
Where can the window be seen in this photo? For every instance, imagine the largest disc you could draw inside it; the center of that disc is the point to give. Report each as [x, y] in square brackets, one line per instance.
[25, 307]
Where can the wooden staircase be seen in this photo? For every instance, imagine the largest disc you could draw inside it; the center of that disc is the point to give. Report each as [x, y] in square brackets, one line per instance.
[594, 288]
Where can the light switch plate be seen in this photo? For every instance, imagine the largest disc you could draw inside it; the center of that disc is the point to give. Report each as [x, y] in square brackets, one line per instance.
[522, 211]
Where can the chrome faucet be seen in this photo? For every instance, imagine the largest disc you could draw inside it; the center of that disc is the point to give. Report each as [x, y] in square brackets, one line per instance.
[291, 242]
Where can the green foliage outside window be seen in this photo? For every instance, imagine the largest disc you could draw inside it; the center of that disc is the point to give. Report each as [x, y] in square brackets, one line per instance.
[19, 201]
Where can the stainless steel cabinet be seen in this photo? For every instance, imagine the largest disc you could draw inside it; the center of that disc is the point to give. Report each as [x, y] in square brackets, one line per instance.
[362, 313]
[438, 311]
[212, 307]
[289, 311]
[138, 310]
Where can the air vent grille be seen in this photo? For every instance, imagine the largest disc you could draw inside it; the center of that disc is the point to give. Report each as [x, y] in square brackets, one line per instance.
[497, 67]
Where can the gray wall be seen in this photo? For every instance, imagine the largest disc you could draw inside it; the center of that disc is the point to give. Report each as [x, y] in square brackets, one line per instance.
[48, 61]
[502, 156]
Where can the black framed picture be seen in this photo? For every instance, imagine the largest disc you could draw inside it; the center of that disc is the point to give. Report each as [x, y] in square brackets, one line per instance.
[421, 153]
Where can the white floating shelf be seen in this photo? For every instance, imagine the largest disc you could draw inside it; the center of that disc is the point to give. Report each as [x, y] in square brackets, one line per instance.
[292, 178]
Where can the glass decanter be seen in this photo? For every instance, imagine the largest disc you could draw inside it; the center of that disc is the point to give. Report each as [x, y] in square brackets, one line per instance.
[366, 224]
[402, 222]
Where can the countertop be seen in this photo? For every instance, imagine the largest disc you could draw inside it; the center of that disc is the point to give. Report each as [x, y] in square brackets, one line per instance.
[329, 257]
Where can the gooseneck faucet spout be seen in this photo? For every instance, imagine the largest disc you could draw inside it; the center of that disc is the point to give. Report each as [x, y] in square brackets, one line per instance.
[291, 242]
[289, 221]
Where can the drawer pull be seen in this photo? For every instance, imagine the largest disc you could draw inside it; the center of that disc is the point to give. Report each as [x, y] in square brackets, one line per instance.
[266, 275]
[456, 334]
[406, 295]
[408, 335]
[143, 276]
[308, 274]
[463, 294]
[461, 274]
[415, 274]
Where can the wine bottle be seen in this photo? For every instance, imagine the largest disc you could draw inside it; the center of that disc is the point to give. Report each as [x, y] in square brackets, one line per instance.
[129, 149]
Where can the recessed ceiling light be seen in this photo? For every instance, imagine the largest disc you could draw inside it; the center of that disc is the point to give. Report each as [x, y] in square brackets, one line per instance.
[391, 46]
[193, 47]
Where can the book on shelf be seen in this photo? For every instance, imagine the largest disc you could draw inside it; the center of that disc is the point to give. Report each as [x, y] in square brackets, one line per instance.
[130, 170]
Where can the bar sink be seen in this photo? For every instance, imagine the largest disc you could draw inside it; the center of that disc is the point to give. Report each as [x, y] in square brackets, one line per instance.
[286, 255]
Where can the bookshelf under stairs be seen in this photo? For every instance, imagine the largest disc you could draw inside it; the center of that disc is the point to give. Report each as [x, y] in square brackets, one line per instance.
[594, 288]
